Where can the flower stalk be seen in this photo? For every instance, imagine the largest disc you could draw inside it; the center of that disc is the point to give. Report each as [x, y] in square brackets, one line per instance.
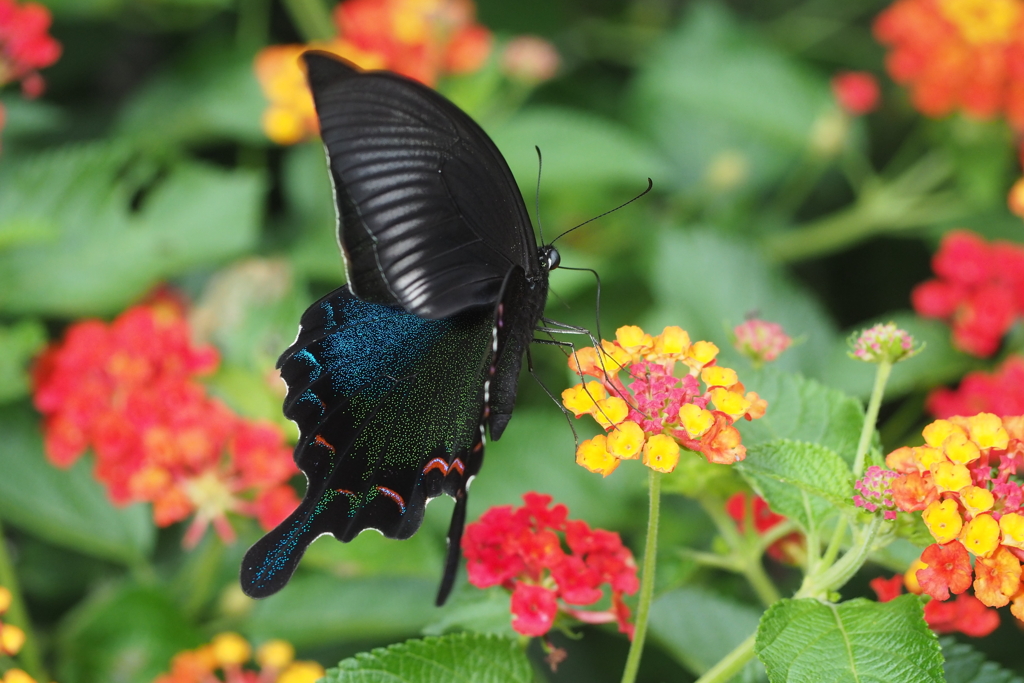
[646, 579]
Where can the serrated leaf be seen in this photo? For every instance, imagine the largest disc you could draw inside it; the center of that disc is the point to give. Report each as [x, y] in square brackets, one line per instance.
[802, 481]
[802, 409]
[476, 611]
[692, 291]
[856, 641]
[711, 87]
[18, 344]
[458, 658]
[700, 628]
[964, 664]
[115, 224]
[66, 507]
[577, 147]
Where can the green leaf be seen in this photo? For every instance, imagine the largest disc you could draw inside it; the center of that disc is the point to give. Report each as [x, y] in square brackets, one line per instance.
[65, 507]
[315, 609]
[371, 554]
[18, 344]
[458, 658]
[700, 628]
[580, 150]
[803, 481]
[857, 641]
[802, 409]
[939, 363]
[128, 634]
[210, 94]
[964, 664]
[114, 225]
[711, 88]
[707, 283]
[475, 610]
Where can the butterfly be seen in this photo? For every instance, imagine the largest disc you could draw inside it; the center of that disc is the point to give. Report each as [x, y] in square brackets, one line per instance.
[394, 377]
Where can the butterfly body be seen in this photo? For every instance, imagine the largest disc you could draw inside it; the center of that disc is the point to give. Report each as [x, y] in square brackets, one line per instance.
[394, 378]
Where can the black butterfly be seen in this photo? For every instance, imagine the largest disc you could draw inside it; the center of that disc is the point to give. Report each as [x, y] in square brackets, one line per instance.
[393, 377]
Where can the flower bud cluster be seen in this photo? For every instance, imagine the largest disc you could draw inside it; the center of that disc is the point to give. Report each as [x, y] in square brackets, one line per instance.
[228, 659]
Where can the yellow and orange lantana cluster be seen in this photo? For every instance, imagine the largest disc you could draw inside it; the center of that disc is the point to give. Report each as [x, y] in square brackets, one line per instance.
[421, 39]
[658, 414]
[225, 659]
[963, 479]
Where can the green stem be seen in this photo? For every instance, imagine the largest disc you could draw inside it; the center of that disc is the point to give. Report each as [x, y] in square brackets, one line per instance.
[871, 416]
[836, 576]
[17, 614]
[832, 551]
[746, 553]
[311, 18]
[759, 581]
[646, 580]
[732, 663]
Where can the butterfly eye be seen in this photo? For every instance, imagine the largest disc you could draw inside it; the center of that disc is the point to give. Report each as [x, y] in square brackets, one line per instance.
[553, 258]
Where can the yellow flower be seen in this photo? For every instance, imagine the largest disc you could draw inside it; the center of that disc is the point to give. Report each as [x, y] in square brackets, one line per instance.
[717, 376]
[613, 358]
[696, 421]
[943, 520]
[951, 476]
[729, 402]
[1012, 526]
[928, 456]
[981, 535]
[230, 648]
[17, 676]
[987, 431]
[611, 411]
[661, 453]
[983, 22]
[275, 654]
[976, 499]
[701, 353]
[626, 440]
[634, 339]
[581, 399]
[960, 449]
[594, 456]
[672, 341]
[11, 639]
[302, 672]
[910, 576]
[937, 432]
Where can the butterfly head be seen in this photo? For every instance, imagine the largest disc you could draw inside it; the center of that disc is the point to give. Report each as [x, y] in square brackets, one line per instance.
[549, 258]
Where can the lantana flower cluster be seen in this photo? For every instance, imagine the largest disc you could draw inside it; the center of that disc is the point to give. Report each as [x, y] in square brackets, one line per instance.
[522, 550]
[979, 290]
[963, 479]
[760, 340]
[964, 614]
[1000, 392]
[25, 47]
[658, 414]
[789, 549]
[129, 391]
[958, 55]
[226, 658]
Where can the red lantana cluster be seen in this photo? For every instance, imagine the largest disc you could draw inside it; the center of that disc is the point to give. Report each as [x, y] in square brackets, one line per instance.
[965, 614]
[128, 391]
[979, 290]
[1000, 392]
[789, 549]
[25, 47]
[421, 39]
[522, 550]
[958, 55]
[964, 481]
[658, 414]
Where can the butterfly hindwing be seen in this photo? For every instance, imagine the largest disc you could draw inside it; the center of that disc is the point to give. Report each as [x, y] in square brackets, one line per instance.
[386, 418]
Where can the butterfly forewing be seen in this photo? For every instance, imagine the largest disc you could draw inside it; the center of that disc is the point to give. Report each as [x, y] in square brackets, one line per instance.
[387, 420]
[430, 217]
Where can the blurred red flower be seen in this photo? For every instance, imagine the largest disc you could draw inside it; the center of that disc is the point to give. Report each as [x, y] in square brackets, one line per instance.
[521, 550]
[25, 47]
[128, 391]
[856, 92]
[979, 290]
[1000, 392]
[789, 549]
[958, 55]
[964, 614]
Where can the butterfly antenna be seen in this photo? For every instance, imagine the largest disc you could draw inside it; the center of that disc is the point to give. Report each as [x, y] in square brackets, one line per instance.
[536, 195]
[650, 184]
